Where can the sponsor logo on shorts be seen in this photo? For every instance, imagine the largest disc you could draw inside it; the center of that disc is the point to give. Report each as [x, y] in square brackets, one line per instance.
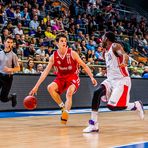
[112, 102]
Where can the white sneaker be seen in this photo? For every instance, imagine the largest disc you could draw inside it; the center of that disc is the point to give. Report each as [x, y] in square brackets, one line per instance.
[92, 127]
[139, 108]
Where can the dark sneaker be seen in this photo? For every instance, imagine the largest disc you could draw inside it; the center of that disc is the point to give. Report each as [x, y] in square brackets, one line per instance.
[13, 99]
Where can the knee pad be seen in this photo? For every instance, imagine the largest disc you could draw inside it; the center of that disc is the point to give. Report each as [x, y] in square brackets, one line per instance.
[116, 108]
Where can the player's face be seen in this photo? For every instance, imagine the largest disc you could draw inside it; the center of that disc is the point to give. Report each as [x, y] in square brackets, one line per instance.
[104, 41]
[8, 44]
[62, 43]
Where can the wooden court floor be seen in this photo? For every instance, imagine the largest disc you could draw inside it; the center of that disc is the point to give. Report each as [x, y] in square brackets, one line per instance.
[116, 128]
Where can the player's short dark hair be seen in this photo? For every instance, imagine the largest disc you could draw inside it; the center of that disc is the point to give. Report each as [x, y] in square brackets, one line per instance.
[110, 36]
[61, 35]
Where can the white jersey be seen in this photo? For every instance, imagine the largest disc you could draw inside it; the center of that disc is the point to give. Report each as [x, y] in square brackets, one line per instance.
[112, 64]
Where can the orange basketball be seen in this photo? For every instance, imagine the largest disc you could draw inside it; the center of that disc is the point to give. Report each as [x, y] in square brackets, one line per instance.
[30, 102]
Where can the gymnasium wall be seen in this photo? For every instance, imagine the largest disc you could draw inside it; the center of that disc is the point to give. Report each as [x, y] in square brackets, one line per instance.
[22, 84]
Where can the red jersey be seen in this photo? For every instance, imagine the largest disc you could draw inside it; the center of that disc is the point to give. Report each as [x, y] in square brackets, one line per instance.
[65, 65]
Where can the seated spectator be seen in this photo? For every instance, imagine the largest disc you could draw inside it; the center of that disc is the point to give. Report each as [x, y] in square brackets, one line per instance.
[37, 57]
[17, 14]
[29, 51]
[25, 17]
[5, 33]
[101, 72]
[30, 67]
[48, 52]
[34, 23]
[99, 54]
[10, 13]
[21, 66]
[145, 73]
[10, 27]
[40, 68]
[41, 50]
[83, 46]
[80, 36]
[39, 33]
[90, 46]
[18, 29]
[49, 35]
[140, 68]
[145, 76]
[135, 73]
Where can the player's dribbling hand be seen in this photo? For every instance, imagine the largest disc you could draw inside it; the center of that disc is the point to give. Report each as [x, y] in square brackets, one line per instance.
[94, 82]
[33, 91]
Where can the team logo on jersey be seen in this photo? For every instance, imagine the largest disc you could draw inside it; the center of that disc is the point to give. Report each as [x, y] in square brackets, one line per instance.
[58, 62]
[69, 67]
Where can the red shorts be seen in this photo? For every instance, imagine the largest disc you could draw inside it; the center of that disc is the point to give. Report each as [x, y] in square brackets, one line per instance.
[65, 82]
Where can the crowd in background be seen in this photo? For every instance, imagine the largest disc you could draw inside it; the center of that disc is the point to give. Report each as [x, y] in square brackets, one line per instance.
[35, 23]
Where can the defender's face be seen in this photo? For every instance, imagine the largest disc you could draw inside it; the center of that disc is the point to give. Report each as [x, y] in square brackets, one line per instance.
[62, 43]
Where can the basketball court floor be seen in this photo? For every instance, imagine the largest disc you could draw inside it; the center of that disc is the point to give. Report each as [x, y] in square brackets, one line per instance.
[42, 129]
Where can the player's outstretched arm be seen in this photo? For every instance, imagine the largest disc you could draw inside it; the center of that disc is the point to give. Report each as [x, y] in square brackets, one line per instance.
[42, 77]
[86, 68]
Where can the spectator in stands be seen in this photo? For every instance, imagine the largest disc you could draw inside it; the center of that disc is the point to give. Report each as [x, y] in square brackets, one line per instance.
[34, 23]
[10, 13]
[30, 67]
[37, 57]
[101, 72]
[135, 73]
[99, 54]
[5, 34]
[39, 33]
[21, 66]
[29, 51]
[41, 50]
[10, 27]
[145, 73]
[17, 14]
[18, 29]
[25, 17]
[40, 68]
[83, 46]
[48, 34]
[80, 36]
[90, 46]
[48, 52]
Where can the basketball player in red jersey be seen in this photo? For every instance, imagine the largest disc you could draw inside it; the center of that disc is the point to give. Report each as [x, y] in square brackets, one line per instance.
[116, 88]
[66, 63]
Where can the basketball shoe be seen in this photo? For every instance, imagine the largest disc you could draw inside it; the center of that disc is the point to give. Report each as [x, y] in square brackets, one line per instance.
[92, 127]
[64, 116]
[12, 97]
[139, 108]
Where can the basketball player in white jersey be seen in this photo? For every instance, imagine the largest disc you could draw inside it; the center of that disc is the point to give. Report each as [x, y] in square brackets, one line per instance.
[116, 88]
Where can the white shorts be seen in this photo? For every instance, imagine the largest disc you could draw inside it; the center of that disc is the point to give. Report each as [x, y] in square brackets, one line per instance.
[117, 91]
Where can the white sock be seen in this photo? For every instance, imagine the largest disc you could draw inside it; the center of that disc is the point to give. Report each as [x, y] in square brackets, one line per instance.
[94, 116]
[131, 106]
[61, 105]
